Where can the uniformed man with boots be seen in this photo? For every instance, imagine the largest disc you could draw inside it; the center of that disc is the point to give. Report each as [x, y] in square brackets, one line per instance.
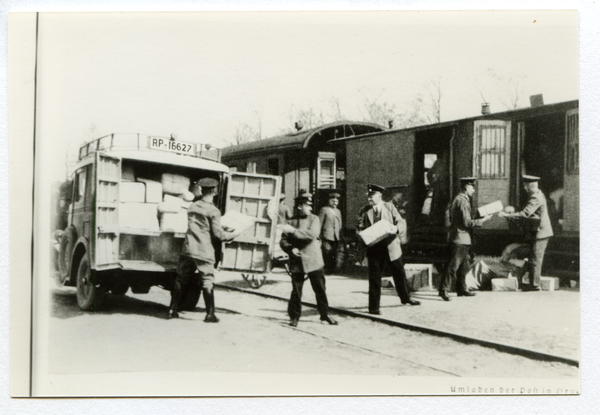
[204, 230]
[300, 241]
[460, 238]
[538, 229]
[332, 244]
[388, 251]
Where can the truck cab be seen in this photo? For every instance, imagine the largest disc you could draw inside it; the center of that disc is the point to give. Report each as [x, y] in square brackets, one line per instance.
[127, 217]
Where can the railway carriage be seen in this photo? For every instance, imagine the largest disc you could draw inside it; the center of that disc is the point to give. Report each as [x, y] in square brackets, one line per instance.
[419, 167]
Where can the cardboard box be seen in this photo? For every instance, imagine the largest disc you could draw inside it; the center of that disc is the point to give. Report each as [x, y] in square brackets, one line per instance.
[376, 233]
[237, 221]
[154, 192]
[174, 222]
[419, 276]
[174, 184]
[549, 283]
[170, 206]
[132, 192]
[490, 208]
[505, 284]
[138, 216]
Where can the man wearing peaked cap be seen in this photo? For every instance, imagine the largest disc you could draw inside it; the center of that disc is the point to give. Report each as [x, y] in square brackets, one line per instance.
[375, 188]
[332, 244]
[300, 241]
[388, 251]
[460, 239]
[199, 253]
[538, 229]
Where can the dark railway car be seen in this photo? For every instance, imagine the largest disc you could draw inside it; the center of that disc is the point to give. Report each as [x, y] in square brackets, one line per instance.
[419, 167]
[305, 159]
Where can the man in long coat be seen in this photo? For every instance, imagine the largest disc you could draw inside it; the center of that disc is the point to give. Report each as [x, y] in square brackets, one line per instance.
[331, 233]
[204, 230]
[388, 251]
[460, 239]
[300, 241]
[538, 229]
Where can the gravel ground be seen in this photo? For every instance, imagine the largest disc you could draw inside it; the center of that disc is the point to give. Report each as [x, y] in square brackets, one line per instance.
[547, 322]
[131, 334]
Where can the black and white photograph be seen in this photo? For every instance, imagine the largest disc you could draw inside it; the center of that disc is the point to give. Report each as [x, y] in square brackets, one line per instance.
[276, 204]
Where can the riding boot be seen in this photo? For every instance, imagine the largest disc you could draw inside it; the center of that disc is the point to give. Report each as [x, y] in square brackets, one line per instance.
[175, 296]
[209, 302]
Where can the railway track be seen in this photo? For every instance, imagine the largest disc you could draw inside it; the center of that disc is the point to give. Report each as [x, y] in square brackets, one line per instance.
[467, 340]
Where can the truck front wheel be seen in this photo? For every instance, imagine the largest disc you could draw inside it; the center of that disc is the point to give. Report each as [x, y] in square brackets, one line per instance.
[89, 295]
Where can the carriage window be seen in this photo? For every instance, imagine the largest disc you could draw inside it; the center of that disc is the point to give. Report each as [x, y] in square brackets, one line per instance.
[573, 143]
[251, 167]
[492, 151]
[326, 170]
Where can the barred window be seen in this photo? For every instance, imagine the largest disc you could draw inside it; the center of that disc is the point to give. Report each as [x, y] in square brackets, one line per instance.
[326, 169]
[492, 151]
[573, 143]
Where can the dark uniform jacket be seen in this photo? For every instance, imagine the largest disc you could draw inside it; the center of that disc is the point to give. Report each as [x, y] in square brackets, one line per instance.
[204, 227]
[305, 238]
[536, 220]
[388, 213]
[461, 223]
[331, 223]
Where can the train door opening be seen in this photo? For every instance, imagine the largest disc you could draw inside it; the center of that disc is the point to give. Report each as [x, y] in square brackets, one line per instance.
[542, 142]
[432, 176]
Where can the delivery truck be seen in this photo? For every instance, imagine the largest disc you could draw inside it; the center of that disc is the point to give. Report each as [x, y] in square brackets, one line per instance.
[127, 216]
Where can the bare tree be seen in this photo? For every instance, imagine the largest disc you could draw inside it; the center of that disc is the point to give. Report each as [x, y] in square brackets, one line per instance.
[244, 133]
[303, 118]
[504, 88]
[433, 103]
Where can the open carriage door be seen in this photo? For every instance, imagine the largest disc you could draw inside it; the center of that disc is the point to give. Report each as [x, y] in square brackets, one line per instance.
[106, 220]
[491, 159]
[571, 184]
[256, 196]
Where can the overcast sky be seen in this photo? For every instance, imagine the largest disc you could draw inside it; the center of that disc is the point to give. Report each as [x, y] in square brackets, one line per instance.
[199, 75]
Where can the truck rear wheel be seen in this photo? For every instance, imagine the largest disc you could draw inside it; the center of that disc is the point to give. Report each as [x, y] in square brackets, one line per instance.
[189, 297]
[67, 242]
[89, 295]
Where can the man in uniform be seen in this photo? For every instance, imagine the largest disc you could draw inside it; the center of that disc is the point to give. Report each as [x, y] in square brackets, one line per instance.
[387, 251]
[460, 239]
[331, 227]
[204, 229]
[538, 228]
[300, 241]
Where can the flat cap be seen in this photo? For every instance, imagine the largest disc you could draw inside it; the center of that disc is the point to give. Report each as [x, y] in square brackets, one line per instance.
[375, 188]
[207, 182]
[528, 179]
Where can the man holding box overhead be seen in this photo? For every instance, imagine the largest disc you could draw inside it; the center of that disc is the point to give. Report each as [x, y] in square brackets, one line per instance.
[386, 251]
[537, 226]
[204, 229]
[460, 238]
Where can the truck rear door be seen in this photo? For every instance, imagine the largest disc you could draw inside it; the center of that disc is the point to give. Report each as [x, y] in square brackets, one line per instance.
[106, 226]
[256, 196]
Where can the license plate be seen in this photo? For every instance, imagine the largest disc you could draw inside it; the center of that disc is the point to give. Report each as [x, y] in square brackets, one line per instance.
[166, 144]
